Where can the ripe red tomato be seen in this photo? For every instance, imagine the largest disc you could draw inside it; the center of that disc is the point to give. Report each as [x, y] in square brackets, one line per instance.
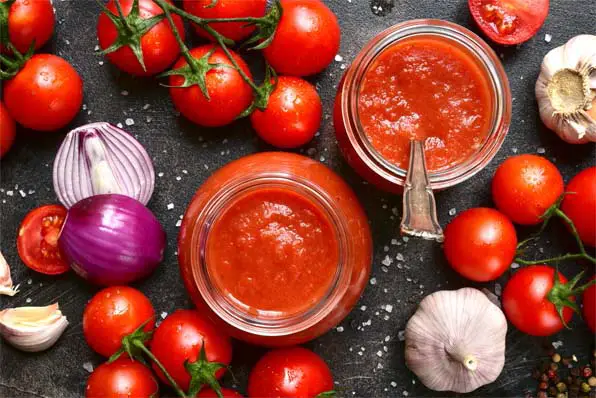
[226, 9]
[229, 94]
[526, 304]
[37, 242]
[589, 306]
[120, 379]
[480, 244]
[579, 204]
[159, 46]
[226, 392]
[113, 313]
[46, 94]
[290, 372]
[306, 40]
[180, 337]
[509, 21]
[30, 21]
[525, 186]
[7, 130]
[293, 114]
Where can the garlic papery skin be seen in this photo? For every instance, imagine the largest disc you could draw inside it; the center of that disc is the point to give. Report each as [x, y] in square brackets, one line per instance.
[6, 286]
[456, 341]
[32, 329]
[566, 90]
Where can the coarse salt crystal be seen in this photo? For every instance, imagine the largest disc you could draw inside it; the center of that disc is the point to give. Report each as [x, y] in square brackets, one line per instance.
[146, 106]
[557, 344]
[405, 393]
[22, 193]
[452, 211]
[160, 174]
[339, 58]
[547, 38]
[373, 281]
[388, 308]
[387, 338]
[9, 193]
[119, 125]
[178, 178]
[385, 248]
[340, 329]
[96, 48]
[363, 308]
[88, 366]
[170, 206]
[124, 93]
[387, 261]
[178, 223]
[405, 238]
[394, 241]
[514, 265]
[28, 300]
[184, 171]
[29, 281]
[163, 315]
[379, 353]
[399, 257]
[541, 150]
[30, 192]
[129, 122]
[393, 384]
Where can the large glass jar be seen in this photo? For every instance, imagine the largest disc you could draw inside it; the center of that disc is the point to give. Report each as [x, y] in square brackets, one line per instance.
[225, 239]
[354, 143]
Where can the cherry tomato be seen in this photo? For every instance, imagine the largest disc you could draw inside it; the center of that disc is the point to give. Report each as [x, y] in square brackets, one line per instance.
[579, 204]
[113, 313]
[526, 304]
[37, 242]
[480, 244]
[122, 378]
[589, 307]
[290, 372]
[226, 392]
[226, 9]
[509, 21]
[525, 186]
[180, 337]
[30, 21]
[229, 94]
[306, 40]
[159, 46]
[7, 130]
[293, 114]
[46, 94]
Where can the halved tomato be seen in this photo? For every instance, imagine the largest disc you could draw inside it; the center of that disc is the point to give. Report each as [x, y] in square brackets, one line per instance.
[509, 21]
[37, 242]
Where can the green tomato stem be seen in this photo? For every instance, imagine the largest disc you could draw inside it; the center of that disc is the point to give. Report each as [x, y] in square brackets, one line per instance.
[569, 256]
[173, 383]
[183, 48]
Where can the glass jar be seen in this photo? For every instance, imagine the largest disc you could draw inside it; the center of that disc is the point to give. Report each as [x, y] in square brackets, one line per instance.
[323, 189]
[354, 143]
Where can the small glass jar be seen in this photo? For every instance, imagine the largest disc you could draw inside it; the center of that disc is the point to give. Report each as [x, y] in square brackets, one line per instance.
[356, 147]
[313, 182]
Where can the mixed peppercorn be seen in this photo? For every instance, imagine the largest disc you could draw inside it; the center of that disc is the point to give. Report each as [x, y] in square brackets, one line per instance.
[562, 377]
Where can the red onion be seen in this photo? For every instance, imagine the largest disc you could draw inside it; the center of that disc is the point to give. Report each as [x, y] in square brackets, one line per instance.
[99, 158]
[112, 239]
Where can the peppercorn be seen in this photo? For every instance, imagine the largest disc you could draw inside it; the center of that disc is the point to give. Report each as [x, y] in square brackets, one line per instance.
[556, 357]
[543, 385]
[541, 394]
[551, 374]
[562, 387]
[544, 377]
[592, 381]
[585, 387]
[554, 367]
[586, 371]
[561, 395]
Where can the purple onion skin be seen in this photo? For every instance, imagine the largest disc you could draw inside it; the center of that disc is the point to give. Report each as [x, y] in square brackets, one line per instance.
[112, 240]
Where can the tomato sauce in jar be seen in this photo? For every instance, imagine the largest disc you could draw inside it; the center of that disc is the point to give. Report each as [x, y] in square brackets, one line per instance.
[273, 251]
[426, 88]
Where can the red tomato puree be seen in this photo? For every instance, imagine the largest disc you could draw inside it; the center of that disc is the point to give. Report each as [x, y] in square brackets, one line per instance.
[426, 88]
[273, 250]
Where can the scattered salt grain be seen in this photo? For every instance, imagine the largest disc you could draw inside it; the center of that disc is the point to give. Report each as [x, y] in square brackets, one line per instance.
[100, 63]
[29, 281]
[452, 211]
[129, 122]
[399, 257]
[178, 223]
[393, 384]
[96, 48]
[405, 238]
[9, 193]
[514, 265]
[384, 269]
[401, 335]
[28, 300]
[124, 93]
[184, 171]
[557, 344]
[541, 150]
[373, 281]
[340, 329]
[160, 174]
[547, 38]
[178, 178]
[360, 353]
[363, 308]
[339, 58]
[385, 248]
[146, 106]
[405, 393]
[163, 315]
[170, 206]
[88, 366]
[119, 125]
[23, 194]
[389, 308]
[387, 261]
[379, 353]
[30, 192]
[387, 338]
[394, 242]
[514, 150]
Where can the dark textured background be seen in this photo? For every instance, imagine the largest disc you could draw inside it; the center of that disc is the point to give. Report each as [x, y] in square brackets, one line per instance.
[177, 145]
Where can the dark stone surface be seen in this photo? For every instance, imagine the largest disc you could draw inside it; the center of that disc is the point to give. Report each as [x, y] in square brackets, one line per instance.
[177, 145]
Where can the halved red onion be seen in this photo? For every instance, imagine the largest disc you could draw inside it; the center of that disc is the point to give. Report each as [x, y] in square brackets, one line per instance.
[99, 158]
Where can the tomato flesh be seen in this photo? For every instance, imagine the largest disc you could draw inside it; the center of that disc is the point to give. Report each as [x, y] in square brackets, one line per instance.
[509, 21]
[37, 242]
[30, 21]
[122, 378]
[579, 204]
[7, 130]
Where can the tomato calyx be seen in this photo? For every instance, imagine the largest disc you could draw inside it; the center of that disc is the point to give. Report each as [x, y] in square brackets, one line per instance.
[202, 372]
[130, 28]
[327, 394]
[262, 93]
[10, 67]
[4, 12]
[266, 27]
[561, 293]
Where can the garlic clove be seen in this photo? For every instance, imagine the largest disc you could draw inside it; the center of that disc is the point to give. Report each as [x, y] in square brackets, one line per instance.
[32, 329]
[6, 286]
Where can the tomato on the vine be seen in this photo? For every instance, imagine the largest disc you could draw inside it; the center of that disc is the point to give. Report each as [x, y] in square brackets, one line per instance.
[46, 94]
[29, 21]
[229, 94]
[293, 114]
[122, 378]
[113, 313]
[158, 44]
[579, 204]
[306, 40]
[589, 307]
[180, 338]
[526, 303]
[480, 244]
[7, 130]
[310, 375]
[525, 186]
[37, 242]
[509, 21]
[226, 9]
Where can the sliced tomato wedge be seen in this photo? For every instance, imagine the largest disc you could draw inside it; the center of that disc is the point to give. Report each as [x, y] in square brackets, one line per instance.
[37, 242]
[509, 21]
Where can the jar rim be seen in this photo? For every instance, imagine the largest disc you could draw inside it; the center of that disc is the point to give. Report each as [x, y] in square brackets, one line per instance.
[216, 298]
[478, 49]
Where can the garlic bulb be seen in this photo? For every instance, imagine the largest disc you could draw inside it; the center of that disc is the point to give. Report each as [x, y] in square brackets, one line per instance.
[456, 341]
[566, 90]
[32, 329]
[6, 286]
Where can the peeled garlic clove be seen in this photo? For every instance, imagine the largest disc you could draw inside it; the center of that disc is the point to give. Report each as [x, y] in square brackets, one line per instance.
[6, 286]
[566, 90]
[456, 341]
[32, 329]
